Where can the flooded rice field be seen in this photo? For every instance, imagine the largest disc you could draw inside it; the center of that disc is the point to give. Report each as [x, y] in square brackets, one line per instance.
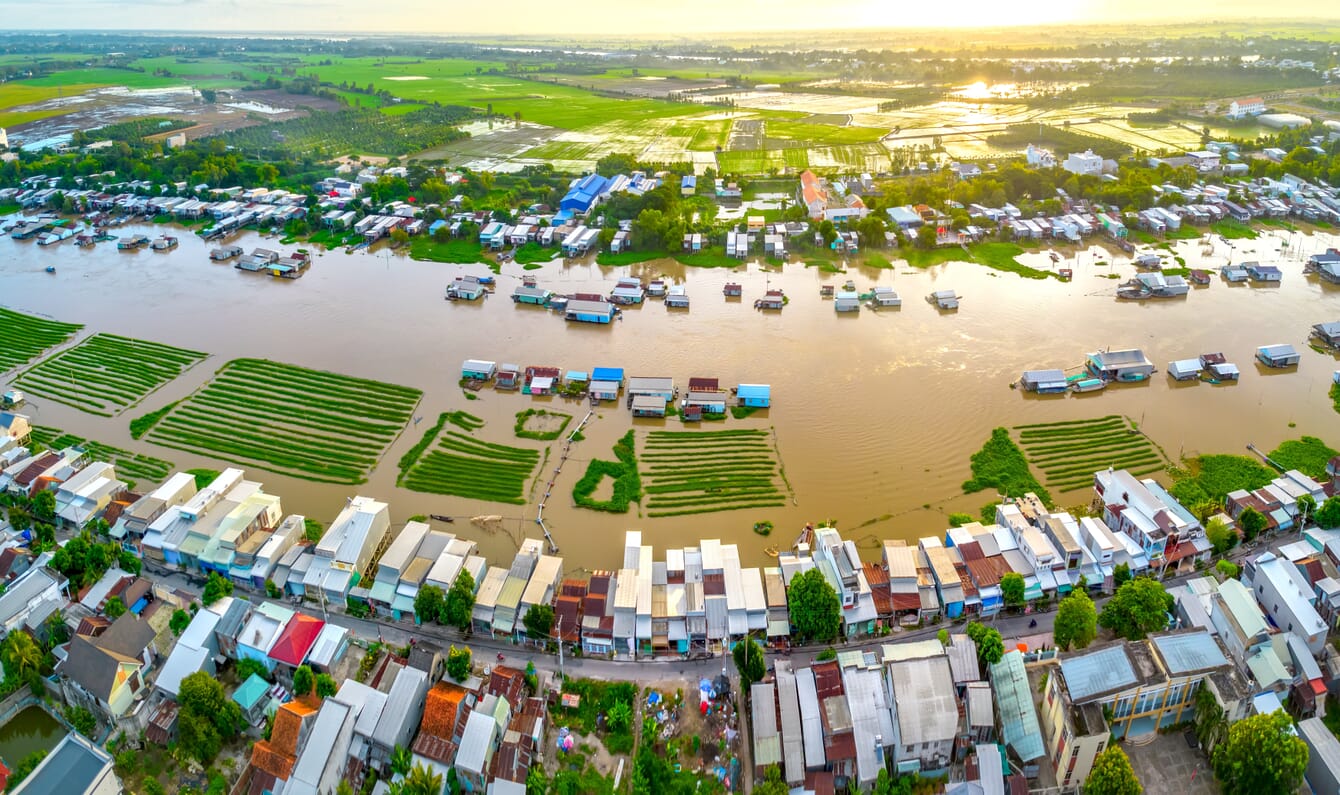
[874, 414]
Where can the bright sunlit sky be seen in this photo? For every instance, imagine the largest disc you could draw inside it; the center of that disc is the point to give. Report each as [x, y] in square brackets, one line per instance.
[604, 17]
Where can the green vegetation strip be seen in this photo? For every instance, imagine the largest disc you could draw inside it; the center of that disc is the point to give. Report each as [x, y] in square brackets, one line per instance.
[1068, 452]
[463, 466]
[26, 336]
[106, 373]
[129, 466]
[307, 423]
[691, 472]
[524, 417]
[1001, 465]
[1207, 479]
[627, 482]
[1308, 455]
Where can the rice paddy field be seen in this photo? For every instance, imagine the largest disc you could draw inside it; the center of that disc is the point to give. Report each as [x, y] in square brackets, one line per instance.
[691, 472]
[461, 465]
[27, 336]
[106, 373]
[310, 424]
[1066, 454]
[131, 467]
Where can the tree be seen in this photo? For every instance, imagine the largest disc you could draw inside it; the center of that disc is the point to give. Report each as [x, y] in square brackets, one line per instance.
[25, 767]
[216, 588]
[246, 666]
[303, 680]
[115, 608]
[539, 622]
[22, 655]
[1112, 774]
[1261, 754]
[179, 622]
[537, 783]
[749, 662]
[1211, 722]
[943, 637]
[1328, 515]
[1252, 523]
[1139, 607]
[207, 717]
[458, 662]
[428, 604]
[344, 788]
[325, 685]
[619, 717]
[1228, 569]
[926, 237]
[816, 613]
[460, 603]
[1121, 575]
[421, 781]
[1307, 508]
[1076, 622]
[1221, 535]
[401, 760]
[44, 505]
[272, 590]
[827, 232]
[772, 783]
[82, 720]
[990, 645]
[1012, 589]
[312, 530]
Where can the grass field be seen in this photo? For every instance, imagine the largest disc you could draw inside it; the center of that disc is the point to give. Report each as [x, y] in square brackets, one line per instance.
[107, 373]
[762, 161]
[690, 472]
[464, 466]
[26, 336]
[1068, 453]
[133, 468]
[310, 424]
[457, 252]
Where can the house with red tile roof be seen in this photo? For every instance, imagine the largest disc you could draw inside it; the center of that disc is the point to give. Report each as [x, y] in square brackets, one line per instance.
[296, 640]
[445, 709]
[272, 760]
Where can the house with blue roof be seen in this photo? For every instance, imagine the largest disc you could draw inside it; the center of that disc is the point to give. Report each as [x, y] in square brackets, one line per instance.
[584, 194]
[614, 374]
[688, 185]
[754, 395]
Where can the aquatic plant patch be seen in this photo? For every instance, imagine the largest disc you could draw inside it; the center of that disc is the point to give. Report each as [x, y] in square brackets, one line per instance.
[461, 465]
[131, 467]
[107, 373]
[1068, 452]
[623, 471]
[1001, 465]
[307, 423]
[25, 336]
[541, 424]
[1309, 455]
[691, 472]
[1210, 478]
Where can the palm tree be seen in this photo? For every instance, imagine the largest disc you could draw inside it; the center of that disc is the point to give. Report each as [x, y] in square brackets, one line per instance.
[401, 760]
[22, 653]
[422, 781]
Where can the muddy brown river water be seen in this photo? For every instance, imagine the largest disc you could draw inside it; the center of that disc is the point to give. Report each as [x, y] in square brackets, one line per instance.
[875, 414]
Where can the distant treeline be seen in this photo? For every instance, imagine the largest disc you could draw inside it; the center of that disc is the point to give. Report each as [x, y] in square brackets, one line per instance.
[1063, 141]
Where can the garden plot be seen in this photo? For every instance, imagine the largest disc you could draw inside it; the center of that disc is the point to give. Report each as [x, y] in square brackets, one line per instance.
[310, 424]
[860, 157]
[131, 467]
[1068, 453]
[106, 373]
[464, 466]
[26, 336]
[689, 472]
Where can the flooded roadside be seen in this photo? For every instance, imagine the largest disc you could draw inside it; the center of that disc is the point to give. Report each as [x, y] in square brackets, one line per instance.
[875, 414]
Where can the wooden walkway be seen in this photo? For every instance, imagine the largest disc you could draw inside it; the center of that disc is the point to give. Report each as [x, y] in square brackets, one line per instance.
[558, 470]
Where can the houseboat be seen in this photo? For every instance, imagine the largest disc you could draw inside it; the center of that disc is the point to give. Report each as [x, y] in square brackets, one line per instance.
[531, 295]
[656, 288]
[1327, 334]
[1044, 382]
[56, 235]
[291, 267]
[1282, 355]
[1185, 369]
[1151, 261]
[826, 291]
[647, 406]
[885, 297]
[225, 253]
[758, 396]
[1122, 365]
[944, 299]
[773, 299]
[478, 370]
[1325, 264]
[1218, 368]
[258, 260]
[1082, 383]
[132, 243]
[732, 290]
[465, 288]
[1234, 273]
[1200, 278]
[677, 297]
[627, 291]
[587, 311]
[508, 376]
[1266, 274]
[847, 301]
[163, 243]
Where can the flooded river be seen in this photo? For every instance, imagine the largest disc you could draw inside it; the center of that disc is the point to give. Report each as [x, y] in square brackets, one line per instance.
[875, 414]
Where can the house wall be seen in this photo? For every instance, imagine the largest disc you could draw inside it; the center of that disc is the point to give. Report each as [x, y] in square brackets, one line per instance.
[1071, 756]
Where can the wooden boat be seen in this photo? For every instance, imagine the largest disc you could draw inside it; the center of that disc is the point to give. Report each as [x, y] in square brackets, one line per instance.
[51, 269]
[440, 518]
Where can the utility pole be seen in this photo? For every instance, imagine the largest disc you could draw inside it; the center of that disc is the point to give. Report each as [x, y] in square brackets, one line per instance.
[559, 635]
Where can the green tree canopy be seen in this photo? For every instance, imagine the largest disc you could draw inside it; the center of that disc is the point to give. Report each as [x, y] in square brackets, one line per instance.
[458, 662]
[1121, 574]
[749, 661]
[428, 604]
[216, 588]
[1221, 536]
[115, 608]
[1252, 523]
[325, 685]
[1076, 622]
[207, 717]
[460, 602]
[539, 622]
[990, 645]
[21, 654]
[816, 613]
[1328, 515]
[1112, 774]
[1137, 608]
[1012, 589]
[1261, 754]
[179, 622]
[303, 680]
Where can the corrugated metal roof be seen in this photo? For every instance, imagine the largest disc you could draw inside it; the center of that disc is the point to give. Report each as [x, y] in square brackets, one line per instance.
[767, 742]
[1018, 717]
[1188, 652]
[1100, 671]
[811, 719]
[924, 702]
[793, 744]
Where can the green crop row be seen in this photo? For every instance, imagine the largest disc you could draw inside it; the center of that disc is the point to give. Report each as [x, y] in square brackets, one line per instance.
[185, 439]
[25, 336]
[409, 394]
[280, 431]
[716, 508]
[1119, 439]
[1067, 423]
[462, 419]
[627, 481]
[544, 436]
[1071, 433]
[268, 439]
[106, 371]
[1051, 459]
[465, 444]
[411, 456]
[316, 394]
[472, 478]
[286, 395]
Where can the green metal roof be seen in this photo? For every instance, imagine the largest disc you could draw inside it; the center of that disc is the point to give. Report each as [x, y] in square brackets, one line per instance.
[251, 691]
[1014, 699]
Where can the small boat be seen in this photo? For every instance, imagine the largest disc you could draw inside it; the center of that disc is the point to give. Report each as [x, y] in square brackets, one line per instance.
[51, 269]
[486, 280]
[1084, 383]
[440, 518]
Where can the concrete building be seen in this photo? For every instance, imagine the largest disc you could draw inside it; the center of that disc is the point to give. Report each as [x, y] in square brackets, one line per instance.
[1287, 598]
[1084, 163]
[925, 709]
[74, 767]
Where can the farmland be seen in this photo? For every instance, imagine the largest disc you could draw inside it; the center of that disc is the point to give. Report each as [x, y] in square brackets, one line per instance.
[464, 466]
[134, 468]
[310, 424]
[626, 485]
[541, 424]
[1068, 453]
[107, 373]
[27, 336]
[690, 472]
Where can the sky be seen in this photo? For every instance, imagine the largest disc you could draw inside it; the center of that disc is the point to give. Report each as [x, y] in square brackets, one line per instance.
[606, 17]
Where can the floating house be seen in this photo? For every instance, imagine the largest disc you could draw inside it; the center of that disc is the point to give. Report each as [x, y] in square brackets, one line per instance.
[627, 291]
[773, 299]
[1184, 369]
[136, 241]
[886, 296]
[1277, 355]
[577, 379]
[164, 243]
[754, 395]
[1325, 264]
[656, 287]
[508, 376]
[466, 288]
[225, 253]
[614, 374]
[1327, 334]
[541, 380]
[258, 260]
[1149, 260]
[847, 301]
[603, 390]
[648, 406]
[1263, 273]
[732, 290]
[677, 298]
[709, 402]
[1219, 368]
[1123, 365]
[1200, 277]
[585, 311]
[478, 370]
[1044, 382]
[1235, 273]
[531, 295]
[944, 299]
[661, 387]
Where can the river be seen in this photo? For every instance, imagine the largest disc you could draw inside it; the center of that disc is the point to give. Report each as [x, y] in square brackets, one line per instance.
[875, 414]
